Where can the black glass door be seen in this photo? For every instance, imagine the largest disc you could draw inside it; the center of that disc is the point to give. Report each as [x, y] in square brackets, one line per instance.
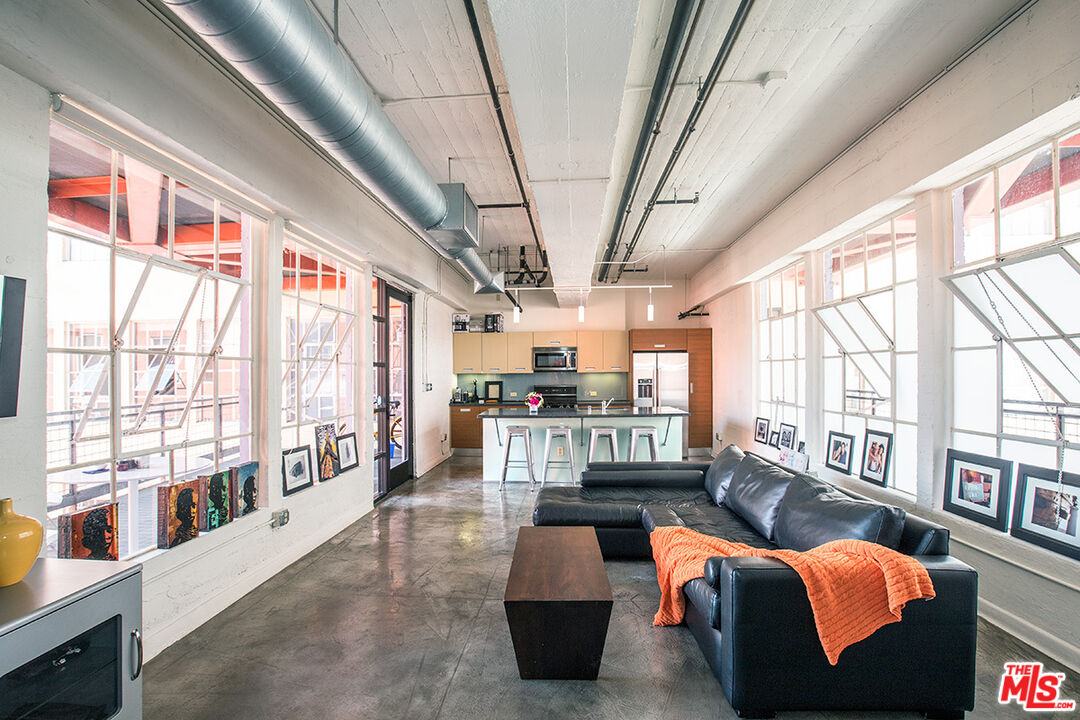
[392, 315]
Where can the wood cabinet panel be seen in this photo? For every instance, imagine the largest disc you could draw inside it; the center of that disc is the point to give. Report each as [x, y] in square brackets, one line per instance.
[468, 352]
[616, 351]
[465, 428]
[658, 339]
[699, 349]
[590, 351]
[493, 352]
[561, 338]
[519, 347]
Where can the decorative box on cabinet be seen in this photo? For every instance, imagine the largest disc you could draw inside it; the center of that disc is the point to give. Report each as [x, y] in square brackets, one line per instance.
[70, 641]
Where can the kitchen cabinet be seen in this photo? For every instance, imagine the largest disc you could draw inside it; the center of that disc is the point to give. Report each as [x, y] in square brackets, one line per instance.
[519, 347]
[616, 351]
[468, 352]
[465, 427]
[699, 350]
[493, 352]
[658, 339]
[590, 351]
[561, 338]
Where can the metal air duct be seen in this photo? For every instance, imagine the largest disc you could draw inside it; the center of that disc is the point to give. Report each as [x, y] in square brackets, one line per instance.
[282, 48]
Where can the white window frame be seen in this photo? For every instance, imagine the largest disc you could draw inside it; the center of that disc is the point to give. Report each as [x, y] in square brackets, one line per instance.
[774, 406]
[113, 374]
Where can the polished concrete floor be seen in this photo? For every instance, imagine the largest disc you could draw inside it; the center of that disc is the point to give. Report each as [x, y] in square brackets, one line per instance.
[400, 616]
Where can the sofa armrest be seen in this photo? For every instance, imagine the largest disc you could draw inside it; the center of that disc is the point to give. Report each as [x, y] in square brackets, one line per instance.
[643, 478]
[772, 659]
[648, 465]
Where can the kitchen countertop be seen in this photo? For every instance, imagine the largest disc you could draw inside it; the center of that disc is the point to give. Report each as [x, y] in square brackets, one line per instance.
[581, 412]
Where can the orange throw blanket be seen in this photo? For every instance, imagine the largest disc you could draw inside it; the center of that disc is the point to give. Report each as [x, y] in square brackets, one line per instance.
[854, 586]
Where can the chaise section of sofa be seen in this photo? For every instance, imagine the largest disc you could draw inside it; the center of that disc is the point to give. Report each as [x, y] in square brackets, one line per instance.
[751, 616]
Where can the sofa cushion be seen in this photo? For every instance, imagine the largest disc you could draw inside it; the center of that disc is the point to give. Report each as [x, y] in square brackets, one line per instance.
[721, 522]
[643, 479]
[814, 512]
[596, 514]
[755, 492]
[718, 476]
[654, 516]
[672, 497]
[705, 598]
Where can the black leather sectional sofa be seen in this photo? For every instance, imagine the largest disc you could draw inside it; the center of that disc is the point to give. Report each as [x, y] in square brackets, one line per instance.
[751, 616]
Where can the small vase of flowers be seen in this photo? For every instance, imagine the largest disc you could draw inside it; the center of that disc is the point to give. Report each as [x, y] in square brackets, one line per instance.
[534, 400]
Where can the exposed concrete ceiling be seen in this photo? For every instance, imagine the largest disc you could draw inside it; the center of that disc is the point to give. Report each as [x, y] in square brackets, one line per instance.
[566, 67]
[576, 93]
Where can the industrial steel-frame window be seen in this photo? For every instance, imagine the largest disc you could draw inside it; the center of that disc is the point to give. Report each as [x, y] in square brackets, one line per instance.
[781, 301]
[320, 341]
[1015, 231]
[150, 334]
[870, 349]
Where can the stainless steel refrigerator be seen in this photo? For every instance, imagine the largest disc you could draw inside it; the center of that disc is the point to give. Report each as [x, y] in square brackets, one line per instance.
[663, 379]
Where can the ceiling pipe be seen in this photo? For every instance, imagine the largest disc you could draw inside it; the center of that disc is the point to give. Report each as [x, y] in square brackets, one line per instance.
[481, 50]
[282, 48]
[650, 124]
[690, 125]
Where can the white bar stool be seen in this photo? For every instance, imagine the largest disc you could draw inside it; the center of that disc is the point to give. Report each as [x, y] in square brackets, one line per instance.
[649, 433]
[524, 433]
[555, 432]
[595, 436]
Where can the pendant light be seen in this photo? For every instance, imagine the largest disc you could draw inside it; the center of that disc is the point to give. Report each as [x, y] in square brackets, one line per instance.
[517, 309]
[650, 313]
[581, 308]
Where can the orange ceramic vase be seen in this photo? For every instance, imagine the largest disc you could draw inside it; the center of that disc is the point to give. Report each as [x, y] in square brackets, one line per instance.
[20, 541]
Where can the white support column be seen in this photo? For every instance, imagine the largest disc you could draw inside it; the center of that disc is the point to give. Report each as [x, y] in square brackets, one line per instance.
[935, 338]
[815, 432]
[267, 351]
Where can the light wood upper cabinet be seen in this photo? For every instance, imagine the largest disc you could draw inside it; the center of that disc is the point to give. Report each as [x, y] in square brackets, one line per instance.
[590, 351]
[658, 339]
[616, 351]
[494, 352]
[468, 353]
[699, 347]
[519, 347]
[555, 339]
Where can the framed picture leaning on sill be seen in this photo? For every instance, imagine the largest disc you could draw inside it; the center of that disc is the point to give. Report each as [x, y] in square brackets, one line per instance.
[978, 487]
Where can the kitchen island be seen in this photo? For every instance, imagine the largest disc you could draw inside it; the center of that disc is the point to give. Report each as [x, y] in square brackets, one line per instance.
[668, 421]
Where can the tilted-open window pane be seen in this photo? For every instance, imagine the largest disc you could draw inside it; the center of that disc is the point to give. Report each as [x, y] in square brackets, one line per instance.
[1044, 285]
[1069, 177]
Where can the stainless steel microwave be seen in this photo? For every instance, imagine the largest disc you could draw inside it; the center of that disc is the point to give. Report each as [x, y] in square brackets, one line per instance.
[546, 359]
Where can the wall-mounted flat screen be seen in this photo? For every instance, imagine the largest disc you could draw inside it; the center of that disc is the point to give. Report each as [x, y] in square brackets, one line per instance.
[12, 299]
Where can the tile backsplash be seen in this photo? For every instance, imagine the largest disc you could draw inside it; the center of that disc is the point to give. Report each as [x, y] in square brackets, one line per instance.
[605, 385]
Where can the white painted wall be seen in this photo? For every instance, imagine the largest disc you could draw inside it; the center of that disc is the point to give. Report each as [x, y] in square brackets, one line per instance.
[432, 426]
[1021, 87]
[118, 59]
[24, 172]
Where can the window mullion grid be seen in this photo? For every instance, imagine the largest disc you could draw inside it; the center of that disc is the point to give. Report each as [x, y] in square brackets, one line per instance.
[1042, 314]
[1055, 173]
[997, 213]
[115, 413]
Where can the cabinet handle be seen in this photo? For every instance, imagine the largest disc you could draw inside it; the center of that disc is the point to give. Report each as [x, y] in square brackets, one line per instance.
[691, 388]
[554, 342]
[494, 369]
[616, 367]
[464, 409]
[664, 346]
[137, 637]
[590, 367]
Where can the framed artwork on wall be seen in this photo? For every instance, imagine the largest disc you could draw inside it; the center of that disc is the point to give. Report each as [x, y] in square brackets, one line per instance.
[787, 436]
[326, 452]
[877, 452]
[296, 470]
[245, 488]
[839, 451]
[761, 430]
[347, 452]
[1046, 512]
[774, 438]
[978, 487]
[178, 512]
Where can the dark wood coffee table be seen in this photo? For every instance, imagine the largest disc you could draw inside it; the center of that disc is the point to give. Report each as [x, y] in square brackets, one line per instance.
[558, 603]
